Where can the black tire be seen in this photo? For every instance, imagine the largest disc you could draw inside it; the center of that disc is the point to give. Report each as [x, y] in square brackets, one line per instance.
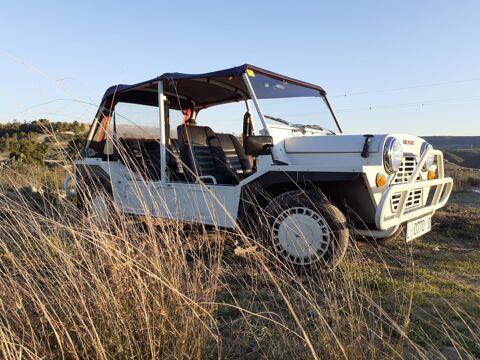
[87, 192]
[307, 212]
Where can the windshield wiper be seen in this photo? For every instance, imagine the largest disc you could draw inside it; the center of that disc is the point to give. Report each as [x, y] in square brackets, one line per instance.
[318, 127]
[298, 127]
[277, 119]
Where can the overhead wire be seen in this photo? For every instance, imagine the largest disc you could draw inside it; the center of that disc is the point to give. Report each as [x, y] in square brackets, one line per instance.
[346, 94]
[410, 104]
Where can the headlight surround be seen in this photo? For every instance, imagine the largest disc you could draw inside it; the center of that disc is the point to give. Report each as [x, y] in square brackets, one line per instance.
[392, 155]
[430, 159]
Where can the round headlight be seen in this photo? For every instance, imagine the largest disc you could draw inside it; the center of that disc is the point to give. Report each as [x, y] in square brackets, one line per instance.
[392, 155]
[430, 159]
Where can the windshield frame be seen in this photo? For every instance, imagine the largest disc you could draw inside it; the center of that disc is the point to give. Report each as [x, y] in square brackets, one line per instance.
[280, 84]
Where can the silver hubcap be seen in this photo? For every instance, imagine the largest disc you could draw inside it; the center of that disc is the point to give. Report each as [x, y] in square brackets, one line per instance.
[301, 236]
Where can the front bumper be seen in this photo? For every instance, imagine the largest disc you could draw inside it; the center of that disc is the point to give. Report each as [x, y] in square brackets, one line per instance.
[388, 218]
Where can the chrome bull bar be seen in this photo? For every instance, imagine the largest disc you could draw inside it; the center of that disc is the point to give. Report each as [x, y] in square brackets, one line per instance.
[387, 219]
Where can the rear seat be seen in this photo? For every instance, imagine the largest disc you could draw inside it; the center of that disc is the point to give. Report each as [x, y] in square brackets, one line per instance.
[226, 161]
[143, 156]
[237, 160]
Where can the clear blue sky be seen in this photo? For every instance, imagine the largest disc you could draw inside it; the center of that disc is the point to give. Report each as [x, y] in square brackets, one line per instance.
[52, 50]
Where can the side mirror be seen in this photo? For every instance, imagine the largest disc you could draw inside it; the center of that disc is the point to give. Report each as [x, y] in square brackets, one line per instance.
[258, 145]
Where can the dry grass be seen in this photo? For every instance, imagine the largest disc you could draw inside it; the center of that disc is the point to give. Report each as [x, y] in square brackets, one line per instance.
[463, 178]
[73, 288]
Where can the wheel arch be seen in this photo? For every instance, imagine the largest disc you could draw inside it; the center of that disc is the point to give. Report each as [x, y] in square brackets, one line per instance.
[93, 175]
[89, 178]
[348, 191]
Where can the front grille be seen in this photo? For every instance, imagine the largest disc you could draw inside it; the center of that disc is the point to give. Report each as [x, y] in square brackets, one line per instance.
[414, 198]
[406, 170]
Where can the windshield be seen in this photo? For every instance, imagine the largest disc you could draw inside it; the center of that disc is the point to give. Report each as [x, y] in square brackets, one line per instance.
[299, 113]
[287, 104]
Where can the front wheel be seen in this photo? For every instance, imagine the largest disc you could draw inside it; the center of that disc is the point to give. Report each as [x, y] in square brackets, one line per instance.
[304, 231]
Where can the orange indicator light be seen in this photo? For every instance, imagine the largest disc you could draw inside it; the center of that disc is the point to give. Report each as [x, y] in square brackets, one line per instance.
[380, 180]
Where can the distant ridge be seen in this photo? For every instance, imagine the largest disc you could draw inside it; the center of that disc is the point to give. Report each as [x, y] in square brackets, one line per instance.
[454, 142]
[460, 150]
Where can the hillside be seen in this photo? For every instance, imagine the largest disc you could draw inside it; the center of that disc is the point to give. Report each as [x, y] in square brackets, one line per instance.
[454, 142]
[40, 141]
[469, 158]
[460, 150]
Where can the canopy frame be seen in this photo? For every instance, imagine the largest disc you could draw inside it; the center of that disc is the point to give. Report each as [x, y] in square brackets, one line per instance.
[230, 80]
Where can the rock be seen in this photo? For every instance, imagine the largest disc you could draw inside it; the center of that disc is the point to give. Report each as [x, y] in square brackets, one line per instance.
[239, 251]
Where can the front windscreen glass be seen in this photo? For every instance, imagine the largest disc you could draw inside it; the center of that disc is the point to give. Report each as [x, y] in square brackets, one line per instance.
[137, 121]
[267, 87]
[287, 104]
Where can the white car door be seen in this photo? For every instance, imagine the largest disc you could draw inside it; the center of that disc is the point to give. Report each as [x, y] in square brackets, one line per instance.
[206, 204]
[132, 193]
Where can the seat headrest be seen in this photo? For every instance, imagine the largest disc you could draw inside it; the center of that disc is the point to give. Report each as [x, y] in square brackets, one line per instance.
[197, 135]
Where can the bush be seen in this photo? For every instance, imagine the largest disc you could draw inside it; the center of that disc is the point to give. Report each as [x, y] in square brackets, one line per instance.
[463, 180]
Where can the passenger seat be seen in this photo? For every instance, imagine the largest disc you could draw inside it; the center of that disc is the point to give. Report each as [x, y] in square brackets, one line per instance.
[235, 155]
[202, 153]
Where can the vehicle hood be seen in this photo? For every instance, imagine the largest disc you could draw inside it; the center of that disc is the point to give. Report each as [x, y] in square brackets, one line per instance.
[347, 143]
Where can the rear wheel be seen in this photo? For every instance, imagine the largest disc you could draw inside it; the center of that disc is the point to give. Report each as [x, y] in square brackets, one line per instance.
[100, 208]
[96, 202]
[304, 231]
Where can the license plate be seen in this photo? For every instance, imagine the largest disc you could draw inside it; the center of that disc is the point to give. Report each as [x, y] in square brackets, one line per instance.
[418, 227]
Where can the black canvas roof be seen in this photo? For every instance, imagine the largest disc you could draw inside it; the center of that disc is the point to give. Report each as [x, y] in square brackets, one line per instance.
[199, 90]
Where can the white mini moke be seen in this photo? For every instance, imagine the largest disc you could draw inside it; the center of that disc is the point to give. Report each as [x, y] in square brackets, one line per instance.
[298, 186]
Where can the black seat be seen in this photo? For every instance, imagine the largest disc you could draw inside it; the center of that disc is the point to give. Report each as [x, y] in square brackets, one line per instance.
[235, 154]
[142, 156]
[202, 153]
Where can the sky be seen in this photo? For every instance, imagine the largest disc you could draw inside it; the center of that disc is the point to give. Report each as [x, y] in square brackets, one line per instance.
[387, 66]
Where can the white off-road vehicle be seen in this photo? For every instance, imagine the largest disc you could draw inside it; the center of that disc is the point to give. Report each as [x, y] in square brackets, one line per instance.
[301, 187]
